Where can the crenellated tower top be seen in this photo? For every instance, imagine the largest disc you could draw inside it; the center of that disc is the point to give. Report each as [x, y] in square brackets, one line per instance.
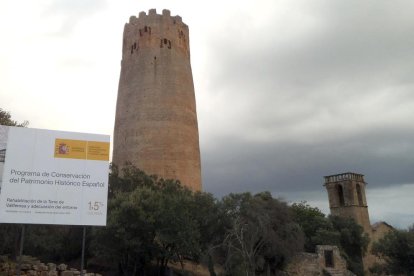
[155, 31]
[343, 177]
[152, 15]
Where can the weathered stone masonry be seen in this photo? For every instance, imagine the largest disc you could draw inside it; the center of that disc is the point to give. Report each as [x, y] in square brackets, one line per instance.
[156, 121]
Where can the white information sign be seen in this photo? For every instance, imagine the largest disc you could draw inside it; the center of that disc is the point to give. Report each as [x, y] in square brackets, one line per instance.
[53, 177]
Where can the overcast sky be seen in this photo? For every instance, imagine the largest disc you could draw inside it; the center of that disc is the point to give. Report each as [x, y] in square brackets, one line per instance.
[287, 91]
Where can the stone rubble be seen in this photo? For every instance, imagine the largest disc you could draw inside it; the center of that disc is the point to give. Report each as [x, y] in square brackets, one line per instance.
[31, 266]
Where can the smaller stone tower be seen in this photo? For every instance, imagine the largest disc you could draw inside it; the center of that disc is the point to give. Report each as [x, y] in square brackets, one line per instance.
[346, 192]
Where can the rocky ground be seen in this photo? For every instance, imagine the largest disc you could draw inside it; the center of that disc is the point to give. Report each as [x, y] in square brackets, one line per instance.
[31, 266]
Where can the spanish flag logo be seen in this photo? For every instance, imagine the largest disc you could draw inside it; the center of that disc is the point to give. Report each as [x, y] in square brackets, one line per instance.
[81, 149]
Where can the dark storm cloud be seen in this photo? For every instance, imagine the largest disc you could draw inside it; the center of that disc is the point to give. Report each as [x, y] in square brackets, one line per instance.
[236, 166]
[347, 41]
[292, 109]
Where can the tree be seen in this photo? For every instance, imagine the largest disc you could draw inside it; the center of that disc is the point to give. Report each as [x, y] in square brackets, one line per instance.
[212, 223]
[9, 237]
[316, 227]
[50, 242]
[127, 241]
[177, 233]
[262, 236]
[5, 119]
[397, 248]
[150, 220]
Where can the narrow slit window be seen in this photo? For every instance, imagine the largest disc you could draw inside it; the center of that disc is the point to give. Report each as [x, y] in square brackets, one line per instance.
[341, 198]
[359, 194]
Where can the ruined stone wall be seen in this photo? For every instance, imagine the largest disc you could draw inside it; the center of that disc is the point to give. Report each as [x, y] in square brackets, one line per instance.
[304, 264]
[156, 122]
[378, 231]
[31, 266]
[315, 264]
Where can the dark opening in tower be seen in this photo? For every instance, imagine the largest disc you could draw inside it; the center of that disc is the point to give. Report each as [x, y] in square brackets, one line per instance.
[340, 195]
[359, 194]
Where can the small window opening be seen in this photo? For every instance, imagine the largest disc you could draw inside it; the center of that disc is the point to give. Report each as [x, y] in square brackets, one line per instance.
[165, 41]
[359, 194]
[145, 29]
[169, 44]
[341, 195]
[329, 261]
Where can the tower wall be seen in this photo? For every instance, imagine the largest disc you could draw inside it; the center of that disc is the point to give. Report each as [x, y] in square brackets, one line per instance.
[156, 122]
[347, 198]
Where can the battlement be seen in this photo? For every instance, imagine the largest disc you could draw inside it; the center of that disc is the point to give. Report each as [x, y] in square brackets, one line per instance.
[143, 17]
[151, 31]
[344, 176]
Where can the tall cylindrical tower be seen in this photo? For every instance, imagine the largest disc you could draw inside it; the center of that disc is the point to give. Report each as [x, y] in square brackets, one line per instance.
[156, 121]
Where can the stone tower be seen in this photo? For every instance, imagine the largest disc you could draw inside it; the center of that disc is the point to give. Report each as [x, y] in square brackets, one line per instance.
[156, 121]
[346, 194]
